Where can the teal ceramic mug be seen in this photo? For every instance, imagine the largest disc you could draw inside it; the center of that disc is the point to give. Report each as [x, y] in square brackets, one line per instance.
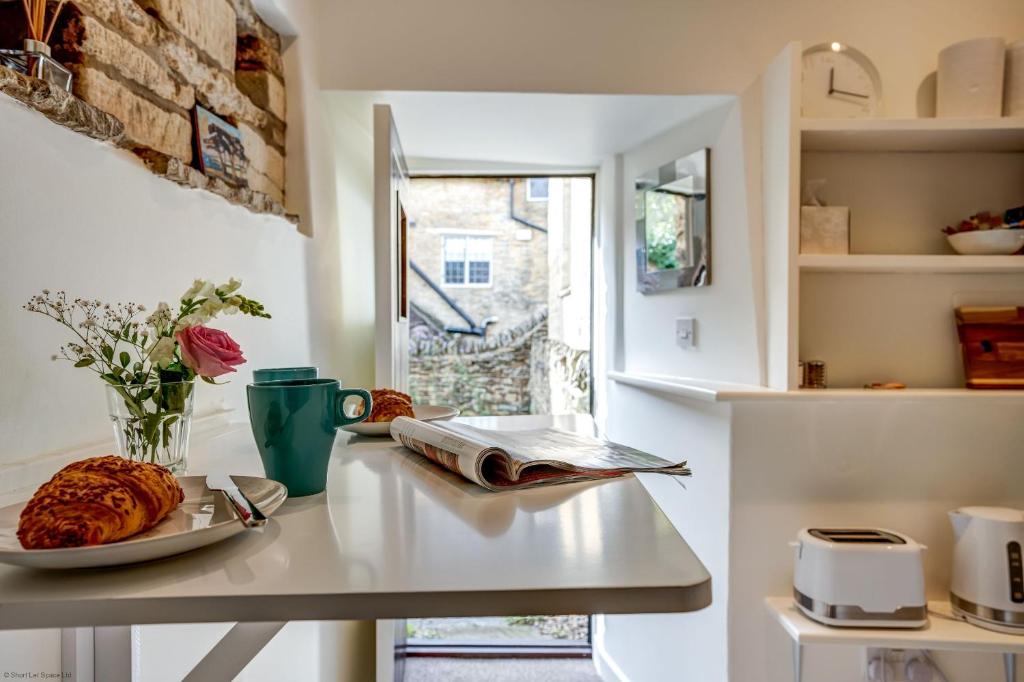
[283, 374]
[294, 423]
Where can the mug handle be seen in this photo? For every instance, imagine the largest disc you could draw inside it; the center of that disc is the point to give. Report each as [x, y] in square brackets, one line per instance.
[339, 406]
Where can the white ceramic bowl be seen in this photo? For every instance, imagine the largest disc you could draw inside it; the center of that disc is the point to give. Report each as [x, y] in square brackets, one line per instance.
[987, 242]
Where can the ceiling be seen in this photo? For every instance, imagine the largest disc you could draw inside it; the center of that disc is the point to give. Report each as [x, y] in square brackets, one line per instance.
[449, 131]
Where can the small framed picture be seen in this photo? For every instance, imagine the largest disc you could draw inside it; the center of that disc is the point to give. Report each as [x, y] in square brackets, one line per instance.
[219, 148]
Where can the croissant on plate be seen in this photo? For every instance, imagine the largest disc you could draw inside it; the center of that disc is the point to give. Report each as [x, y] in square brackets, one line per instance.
[388, 404]
[96, 501]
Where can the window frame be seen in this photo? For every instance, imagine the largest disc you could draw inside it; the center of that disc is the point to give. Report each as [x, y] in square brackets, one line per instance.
[529, 191]
[465, 283]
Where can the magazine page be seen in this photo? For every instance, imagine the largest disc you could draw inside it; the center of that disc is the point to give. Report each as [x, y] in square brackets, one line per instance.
[454, 451]
[553, 445]
[503, 460]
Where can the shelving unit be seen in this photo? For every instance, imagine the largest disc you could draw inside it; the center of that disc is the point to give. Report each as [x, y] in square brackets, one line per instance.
[912, 135]
[919, 264]
[903, 180]
[943, 633]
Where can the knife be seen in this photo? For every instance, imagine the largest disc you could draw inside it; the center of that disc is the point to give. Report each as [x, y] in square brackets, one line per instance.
[248, 513]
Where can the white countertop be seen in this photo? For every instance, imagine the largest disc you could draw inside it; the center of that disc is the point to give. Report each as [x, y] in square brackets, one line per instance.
[393, 536]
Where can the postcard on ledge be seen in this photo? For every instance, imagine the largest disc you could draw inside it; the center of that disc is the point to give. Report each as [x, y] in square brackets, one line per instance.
[507, 460]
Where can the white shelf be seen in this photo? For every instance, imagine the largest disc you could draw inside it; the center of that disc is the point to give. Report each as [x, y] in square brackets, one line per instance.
[913, 135]
[721, 391]
[911, 264]
[699, 389]
[943, 632]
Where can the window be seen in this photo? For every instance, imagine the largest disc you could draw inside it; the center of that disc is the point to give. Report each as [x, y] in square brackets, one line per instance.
[536, 189]
[467, 260]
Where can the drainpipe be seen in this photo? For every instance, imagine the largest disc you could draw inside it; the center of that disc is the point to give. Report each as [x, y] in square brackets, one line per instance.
[512, 209]
[474, 328]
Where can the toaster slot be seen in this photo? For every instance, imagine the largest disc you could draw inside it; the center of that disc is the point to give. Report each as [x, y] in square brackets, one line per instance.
[1016, 573]
[858, 536]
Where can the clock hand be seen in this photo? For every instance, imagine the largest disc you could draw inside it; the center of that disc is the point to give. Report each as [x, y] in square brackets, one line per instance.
[849, 94]
[831, 80]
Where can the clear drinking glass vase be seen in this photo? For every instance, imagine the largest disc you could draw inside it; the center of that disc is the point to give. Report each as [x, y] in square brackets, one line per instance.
[152, 422]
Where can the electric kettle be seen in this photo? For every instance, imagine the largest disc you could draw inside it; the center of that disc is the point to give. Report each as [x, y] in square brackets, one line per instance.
[987, 587]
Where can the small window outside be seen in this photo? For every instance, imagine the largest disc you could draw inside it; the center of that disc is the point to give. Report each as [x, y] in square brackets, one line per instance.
[537, 189]
[467, 261]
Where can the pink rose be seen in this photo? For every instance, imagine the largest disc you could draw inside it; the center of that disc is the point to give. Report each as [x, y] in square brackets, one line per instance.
[208, 352]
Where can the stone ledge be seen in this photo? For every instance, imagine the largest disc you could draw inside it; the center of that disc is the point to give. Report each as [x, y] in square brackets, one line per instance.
[69, 111]
[61, 107]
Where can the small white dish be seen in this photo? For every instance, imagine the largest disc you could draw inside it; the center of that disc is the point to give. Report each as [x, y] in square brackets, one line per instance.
[425, 413]
[1002, 242]
[202, 519]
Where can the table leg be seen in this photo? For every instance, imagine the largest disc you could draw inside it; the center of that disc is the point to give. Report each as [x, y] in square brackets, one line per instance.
[798, 661]
[234, 651]
[112, 653]
[1010, 667]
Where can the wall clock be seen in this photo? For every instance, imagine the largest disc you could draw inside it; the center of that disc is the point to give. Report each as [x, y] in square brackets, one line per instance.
[839, 82]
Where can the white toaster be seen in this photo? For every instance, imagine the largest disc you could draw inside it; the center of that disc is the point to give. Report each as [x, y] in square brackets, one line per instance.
[860, 577]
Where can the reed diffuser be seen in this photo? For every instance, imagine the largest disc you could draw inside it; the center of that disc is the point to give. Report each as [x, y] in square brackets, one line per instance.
[38, 60]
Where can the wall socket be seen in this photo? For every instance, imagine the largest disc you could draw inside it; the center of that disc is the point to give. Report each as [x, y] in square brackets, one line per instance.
[686, 332]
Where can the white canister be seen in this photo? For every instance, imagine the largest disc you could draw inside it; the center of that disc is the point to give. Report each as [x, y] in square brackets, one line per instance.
[970, 79]
[1013, 92]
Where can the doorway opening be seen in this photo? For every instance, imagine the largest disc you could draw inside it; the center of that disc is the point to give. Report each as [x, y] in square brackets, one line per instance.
[500, 293]
[500, 318]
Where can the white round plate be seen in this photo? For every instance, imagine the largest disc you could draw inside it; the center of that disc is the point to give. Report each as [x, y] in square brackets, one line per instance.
[202, 519]
[425, 413]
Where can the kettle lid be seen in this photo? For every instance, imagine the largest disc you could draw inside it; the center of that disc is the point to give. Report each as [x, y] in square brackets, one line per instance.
[993, 514]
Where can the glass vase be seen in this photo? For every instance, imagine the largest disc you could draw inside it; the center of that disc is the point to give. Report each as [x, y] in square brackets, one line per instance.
[152, 422]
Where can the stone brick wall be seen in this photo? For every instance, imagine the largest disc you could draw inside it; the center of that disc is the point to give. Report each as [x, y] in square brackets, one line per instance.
[480, 377]
[148, 62]
[480, 206]
[559, 377]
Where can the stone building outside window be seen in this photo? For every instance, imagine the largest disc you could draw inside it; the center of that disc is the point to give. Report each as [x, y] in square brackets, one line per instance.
[499, 293]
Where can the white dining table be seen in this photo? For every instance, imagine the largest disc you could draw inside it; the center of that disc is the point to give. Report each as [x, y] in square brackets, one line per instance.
[393, 536]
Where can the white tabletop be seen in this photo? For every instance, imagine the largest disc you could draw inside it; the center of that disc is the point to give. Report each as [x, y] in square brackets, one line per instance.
[393, 536]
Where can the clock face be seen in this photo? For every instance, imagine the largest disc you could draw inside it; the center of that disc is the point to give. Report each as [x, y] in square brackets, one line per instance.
[839, 82]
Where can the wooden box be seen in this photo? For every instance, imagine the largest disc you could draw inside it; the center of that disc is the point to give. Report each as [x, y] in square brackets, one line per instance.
[992, 345]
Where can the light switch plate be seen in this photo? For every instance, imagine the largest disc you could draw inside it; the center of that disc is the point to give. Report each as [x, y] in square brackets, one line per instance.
[686, 332]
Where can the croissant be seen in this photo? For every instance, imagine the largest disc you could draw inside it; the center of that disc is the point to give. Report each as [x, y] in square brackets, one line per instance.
[96, 501]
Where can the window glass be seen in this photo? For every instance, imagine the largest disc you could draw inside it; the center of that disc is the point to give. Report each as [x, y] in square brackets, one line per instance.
[467, 260]
[537, 189]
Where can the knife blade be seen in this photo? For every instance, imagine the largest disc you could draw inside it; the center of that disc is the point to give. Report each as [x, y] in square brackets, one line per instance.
[248, 513]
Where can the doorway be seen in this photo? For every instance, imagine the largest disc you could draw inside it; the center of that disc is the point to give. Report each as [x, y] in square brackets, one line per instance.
[500, 299]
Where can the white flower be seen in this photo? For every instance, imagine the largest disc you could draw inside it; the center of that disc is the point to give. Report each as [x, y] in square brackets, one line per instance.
[231, 287]
[191, 320]
[160, 317]
[200, 288]
[162, 353]
[211, 307]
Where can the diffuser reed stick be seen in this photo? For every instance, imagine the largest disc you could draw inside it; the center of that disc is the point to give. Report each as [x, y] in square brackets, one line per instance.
[35, 14]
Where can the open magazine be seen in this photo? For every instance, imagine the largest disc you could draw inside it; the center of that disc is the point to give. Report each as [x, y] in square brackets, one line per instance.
[506, 460]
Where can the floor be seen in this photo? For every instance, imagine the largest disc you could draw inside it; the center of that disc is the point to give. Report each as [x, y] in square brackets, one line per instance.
[429, 669]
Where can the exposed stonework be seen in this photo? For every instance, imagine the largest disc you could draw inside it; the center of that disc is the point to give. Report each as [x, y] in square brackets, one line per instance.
[263, 158]
[208, 24]
[479, 376]
[187, 176]
[264, 89]
[93, 41]
[256, 54]
[146, 124]
[214, 88]
[60, 107]
[143, 65]
[124, 16]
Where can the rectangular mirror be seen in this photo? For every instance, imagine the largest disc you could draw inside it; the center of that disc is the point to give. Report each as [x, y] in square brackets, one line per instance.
[673, 225]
